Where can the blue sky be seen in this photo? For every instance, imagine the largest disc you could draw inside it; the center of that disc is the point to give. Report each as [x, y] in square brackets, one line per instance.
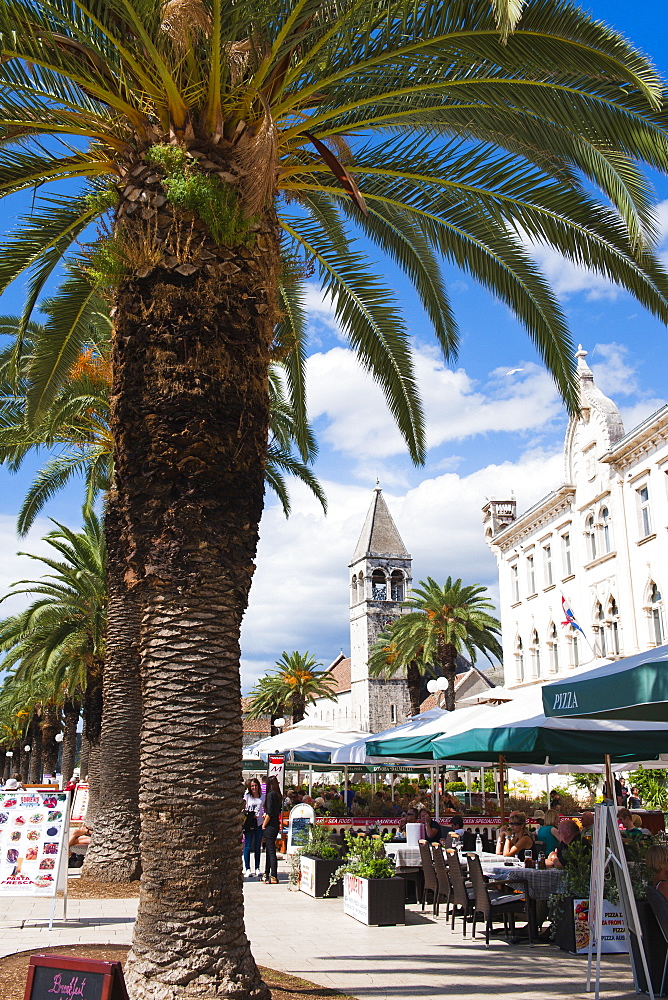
[489, 433]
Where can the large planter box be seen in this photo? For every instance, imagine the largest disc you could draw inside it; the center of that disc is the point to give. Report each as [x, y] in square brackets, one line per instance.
[316, 874]
[572, 930]
[379, 901]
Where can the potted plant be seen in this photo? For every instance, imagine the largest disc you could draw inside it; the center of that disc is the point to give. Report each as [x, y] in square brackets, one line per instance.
[316, 864]
[372, 893]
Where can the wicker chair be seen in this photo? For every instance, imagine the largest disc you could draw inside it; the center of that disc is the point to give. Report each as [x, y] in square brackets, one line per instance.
[430, 879]
[462, 895]
[443, 877]
[493, 905]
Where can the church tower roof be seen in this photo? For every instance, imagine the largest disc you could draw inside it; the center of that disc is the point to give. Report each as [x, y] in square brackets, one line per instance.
[379, 535]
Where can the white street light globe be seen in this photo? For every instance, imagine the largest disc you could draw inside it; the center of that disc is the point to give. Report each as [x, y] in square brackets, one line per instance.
[442, 683]
[59, 737]
[432, 686]
[10, 753]
[279, 723]
[27, 748]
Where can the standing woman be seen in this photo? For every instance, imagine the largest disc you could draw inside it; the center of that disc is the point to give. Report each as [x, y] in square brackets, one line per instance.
[253, 816]
[272, 814]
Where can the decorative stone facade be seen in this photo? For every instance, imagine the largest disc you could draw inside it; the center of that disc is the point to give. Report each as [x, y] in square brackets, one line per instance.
[599, 541]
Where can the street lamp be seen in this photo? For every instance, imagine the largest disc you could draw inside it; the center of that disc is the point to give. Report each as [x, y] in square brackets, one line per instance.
[59, 737]
[27, 748]
[279, 723]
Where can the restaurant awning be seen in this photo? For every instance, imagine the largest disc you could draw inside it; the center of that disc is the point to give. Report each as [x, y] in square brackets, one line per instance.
[635, 687]
[306, 743]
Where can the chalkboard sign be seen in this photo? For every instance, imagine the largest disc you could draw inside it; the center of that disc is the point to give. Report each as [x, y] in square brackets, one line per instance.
[51, 977]
[301, 818]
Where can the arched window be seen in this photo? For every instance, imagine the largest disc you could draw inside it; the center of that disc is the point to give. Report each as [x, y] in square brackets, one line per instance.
[590, 532]
[575, 651]
[599, 627]
[656, 615]
[554, 648]
[613, 614]
[397, 585]
[379, 585]
[606, 529]
[535, 653]
[353, 590]
[360, 586]
[519, 656]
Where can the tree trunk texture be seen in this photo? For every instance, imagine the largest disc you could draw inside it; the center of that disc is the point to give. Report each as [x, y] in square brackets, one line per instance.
[90, 741]
[449, 663]
[190, 413]
[114, 853]
[414, 684]
[35, 741]
[71, 713]
[50, 726]
[24, 758]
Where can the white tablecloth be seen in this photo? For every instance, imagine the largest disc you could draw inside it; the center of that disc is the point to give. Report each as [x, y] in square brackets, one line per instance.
[404, 856]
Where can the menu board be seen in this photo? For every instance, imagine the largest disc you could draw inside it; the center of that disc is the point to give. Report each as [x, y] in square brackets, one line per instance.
[33, 829]
[80, 804]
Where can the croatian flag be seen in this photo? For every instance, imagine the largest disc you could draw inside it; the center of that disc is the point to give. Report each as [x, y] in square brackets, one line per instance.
[569, 616]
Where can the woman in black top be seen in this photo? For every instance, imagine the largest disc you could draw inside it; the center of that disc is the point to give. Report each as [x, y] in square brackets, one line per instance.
[272, 814]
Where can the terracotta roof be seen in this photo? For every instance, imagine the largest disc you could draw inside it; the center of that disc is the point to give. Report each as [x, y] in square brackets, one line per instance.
[431, 700]
[339, 669]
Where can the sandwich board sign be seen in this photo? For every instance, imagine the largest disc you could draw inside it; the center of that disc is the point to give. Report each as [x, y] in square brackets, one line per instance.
[79, 804]
[34, 835]
[53, 976]
[302, 817]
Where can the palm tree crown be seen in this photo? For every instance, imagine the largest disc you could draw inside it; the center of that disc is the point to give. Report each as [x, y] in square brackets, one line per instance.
[444, 621]
[296, 683]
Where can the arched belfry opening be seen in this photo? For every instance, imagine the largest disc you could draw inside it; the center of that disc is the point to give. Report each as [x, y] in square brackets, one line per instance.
[398, 591]
[379, 585]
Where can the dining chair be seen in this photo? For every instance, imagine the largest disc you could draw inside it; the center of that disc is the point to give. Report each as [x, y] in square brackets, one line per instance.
[492, 905]
[443, 878]
[430, 883]
[659, 906]
[462, 895]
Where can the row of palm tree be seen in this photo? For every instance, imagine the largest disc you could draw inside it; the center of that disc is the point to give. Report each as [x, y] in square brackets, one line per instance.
[226, 151]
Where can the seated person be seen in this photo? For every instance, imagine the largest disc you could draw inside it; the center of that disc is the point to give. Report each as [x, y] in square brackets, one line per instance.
[657, 862]
[455, 832]
[568, 832]
[80, 836]
[514, 842]
[547, 832]
[432, 829]
[13, 784]
[587, 823]
[637, 822]
[449, 803]
[410, 816]
[626, 825]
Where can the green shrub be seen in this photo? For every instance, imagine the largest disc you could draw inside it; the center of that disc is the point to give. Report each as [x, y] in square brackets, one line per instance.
[366, 859]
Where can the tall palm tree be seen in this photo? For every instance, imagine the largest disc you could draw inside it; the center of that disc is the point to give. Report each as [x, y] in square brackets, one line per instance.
[233, 147]
[443, 621]
[58, 640]
[296, 682]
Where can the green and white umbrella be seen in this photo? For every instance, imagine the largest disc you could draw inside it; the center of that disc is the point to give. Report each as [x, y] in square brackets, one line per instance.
[521, 733]
[633, 688]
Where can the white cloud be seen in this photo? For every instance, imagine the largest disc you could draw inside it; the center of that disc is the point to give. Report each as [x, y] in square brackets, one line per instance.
[615, 374]
[14, 567]
[299, 598]
[357, 421]
[634, 415]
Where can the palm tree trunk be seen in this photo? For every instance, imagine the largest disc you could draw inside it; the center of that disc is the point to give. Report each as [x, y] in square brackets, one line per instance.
[83, 756]
[414, 683]
[24, 758]
[190, 415]
[92, 724]
[449, 664]
[35, 775]
[298, 708]
[50, 726]
[113, 854]
[71, 713]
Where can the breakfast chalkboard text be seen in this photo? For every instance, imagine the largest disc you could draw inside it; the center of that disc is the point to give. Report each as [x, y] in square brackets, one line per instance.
[52, 977]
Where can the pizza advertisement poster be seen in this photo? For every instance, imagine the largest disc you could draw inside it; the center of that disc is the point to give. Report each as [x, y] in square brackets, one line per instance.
[33, 829]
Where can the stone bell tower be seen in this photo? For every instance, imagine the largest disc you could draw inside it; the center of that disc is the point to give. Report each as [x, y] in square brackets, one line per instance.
[380, 579]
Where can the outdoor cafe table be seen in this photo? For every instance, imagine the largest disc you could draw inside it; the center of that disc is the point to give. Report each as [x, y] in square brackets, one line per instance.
[540, 884]
[404, 856]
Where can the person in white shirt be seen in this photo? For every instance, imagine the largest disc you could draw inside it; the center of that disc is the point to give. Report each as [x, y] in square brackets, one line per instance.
[253, 816]
[13, 784]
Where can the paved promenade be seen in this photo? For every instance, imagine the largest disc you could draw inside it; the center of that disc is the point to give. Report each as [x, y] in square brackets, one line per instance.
[313, 939]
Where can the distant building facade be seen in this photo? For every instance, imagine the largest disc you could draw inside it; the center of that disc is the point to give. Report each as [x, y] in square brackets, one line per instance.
[599, 541]
[380, 581]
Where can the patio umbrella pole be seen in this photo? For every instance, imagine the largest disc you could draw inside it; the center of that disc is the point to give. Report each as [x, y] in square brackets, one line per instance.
[437, 802]
[310, 780]
[482, 788]
[345, 786]
[608, 779]
[502, 790]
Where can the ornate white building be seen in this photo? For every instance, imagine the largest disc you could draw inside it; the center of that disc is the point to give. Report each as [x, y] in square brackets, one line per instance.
[599, 541]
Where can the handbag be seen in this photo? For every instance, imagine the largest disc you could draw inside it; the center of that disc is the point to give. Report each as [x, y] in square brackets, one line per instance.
[250, 820]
